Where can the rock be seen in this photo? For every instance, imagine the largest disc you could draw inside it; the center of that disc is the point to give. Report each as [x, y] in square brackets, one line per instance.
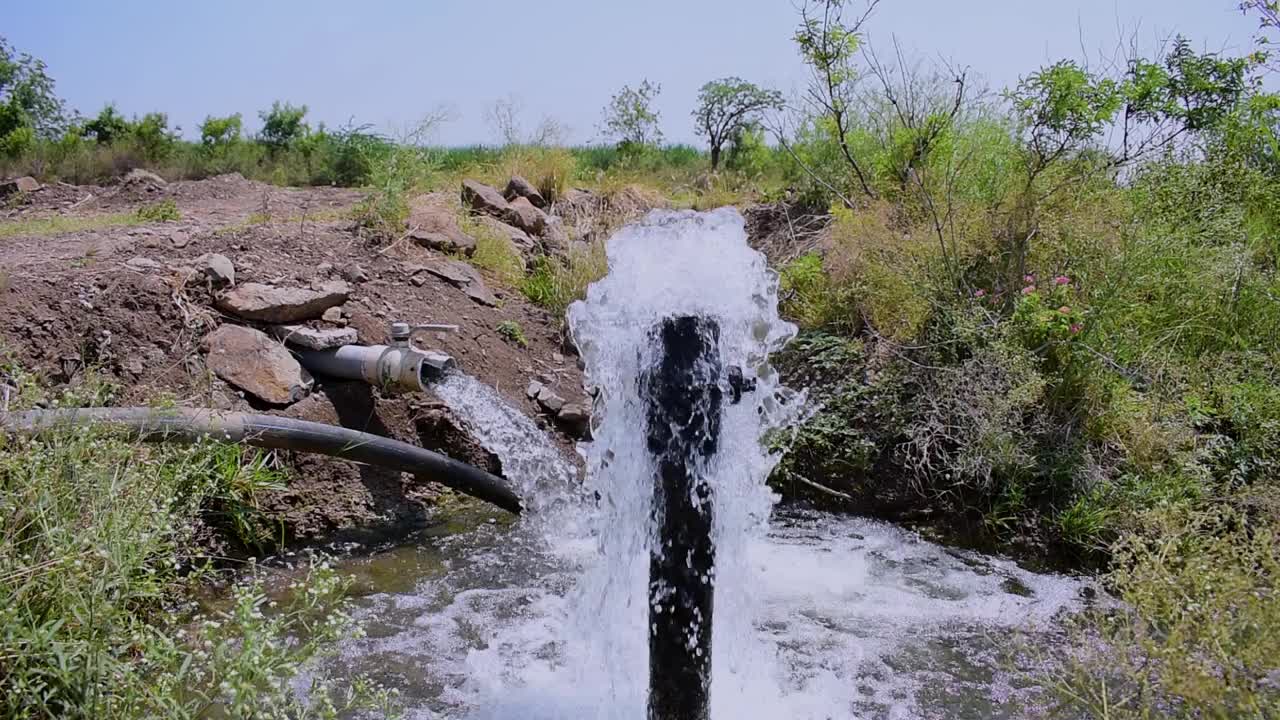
[138, 176]
[518, 237]
[445, 242]
[217, 268]
[555, 239]
[265, 303]
[434, 225]
[550, 401]
[253, 362]
[519, 187]
[324, 268]
[25, 184]
[482, 198]
[180, 239]
[535, 388]
[333, 315]
[314, 339]
[354, 274]
[461, 275]
[142, 263]
[576, 417]
[522, 214]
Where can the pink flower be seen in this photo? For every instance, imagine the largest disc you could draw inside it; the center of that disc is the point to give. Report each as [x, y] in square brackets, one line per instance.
[1062, 280]
[1064, 310]
[1028, 289]
[980, 293]
[1076, 328]
[1029, 279]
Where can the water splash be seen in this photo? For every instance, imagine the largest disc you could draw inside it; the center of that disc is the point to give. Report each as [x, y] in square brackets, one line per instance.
[817, 616]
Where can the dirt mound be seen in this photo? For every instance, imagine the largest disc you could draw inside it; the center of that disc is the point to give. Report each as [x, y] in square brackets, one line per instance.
[127, 302]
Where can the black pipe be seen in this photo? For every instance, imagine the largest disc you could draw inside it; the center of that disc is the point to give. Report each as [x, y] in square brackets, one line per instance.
[276, 433]
[683, 395]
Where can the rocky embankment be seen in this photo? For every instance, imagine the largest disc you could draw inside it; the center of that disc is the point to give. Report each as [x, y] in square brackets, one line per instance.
[203, 308]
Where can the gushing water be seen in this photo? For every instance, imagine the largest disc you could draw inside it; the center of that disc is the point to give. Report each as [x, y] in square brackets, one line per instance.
[816, 616]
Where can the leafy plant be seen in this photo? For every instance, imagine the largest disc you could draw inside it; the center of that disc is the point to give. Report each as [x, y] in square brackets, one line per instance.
[163, 211]
[511, 331]
[630, 118]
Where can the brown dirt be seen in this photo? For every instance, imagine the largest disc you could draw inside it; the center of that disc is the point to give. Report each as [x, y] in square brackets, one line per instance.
[70, 302]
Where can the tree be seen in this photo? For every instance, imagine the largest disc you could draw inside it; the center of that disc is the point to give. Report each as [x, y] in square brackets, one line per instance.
[828, 45]
[282, 125]
[630, 119]
[726, 106]
[218, 131]
[26, 95]
[108, 127]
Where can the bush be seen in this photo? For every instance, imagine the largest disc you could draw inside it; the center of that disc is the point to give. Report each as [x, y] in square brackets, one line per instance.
[511, 331]
[163, 211]
[554, 284]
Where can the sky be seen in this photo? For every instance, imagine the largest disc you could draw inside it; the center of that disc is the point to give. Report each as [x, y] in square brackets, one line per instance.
[389, 63]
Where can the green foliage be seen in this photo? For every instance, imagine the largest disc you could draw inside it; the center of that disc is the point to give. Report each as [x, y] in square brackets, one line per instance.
[511, 331]
[725, 109]
[554, 284]
[630, 118]
[220, 131]
[109, 126]
[163, 211]
[27, 99]
[282, 125]
[1195, 639]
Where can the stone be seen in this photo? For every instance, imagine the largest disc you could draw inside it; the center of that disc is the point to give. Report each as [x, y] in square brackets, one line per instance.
[434, 224]
[216, 268]
[519, 187]
[445, 242]
[313, 339]
[25, 184]
[576, 417]
[461, 275]
[180, 238]
[550, 401]
[354, 274]
[143, 263]
[535, 389]
[522, 214]
[484, 199]
[266, 303]
[518, 237]
[258, 365]
[138, 176]
[324, 268]
[333, 315]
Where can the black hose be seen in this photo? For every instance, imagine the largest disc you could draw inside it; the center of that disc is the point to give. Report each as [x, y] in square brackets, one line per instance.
[277, 433]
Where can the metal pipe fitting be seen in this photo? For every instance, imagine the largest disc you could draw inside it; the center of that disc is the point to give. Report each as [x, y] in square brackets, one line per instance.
[400, 368]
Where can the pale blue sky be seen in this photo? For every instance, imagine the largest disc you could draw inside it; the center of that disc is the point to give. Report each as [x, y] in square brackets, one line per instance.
[387, 63]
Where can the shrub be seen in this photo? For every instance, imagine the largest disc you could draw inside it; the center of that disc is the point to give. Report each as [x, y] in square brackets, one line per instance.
[511, 331]
[163, 211]
[554, 284]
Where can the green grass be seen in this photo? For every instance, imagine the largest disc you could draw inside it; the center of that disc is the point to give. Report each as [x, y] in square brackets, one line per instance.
[101, 572]
[41, 227]
[511, 331]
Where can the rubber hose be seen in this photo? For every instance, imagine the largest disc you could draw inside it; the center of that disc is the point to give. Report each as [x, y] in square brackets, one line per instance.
[276, 433]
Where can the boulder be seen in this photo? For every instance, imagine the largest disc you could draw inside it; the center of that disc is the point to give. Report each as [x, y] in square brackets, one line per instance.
[518, 237]
[266, 303]
[218, 269]
[535, 389]
[484, 199]
[313, 339]
[253, 362]
[25, 184]
[433, 224]
[522, 214]
[354, 274]
[138, 176]
[333, 315]
[519, 187]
